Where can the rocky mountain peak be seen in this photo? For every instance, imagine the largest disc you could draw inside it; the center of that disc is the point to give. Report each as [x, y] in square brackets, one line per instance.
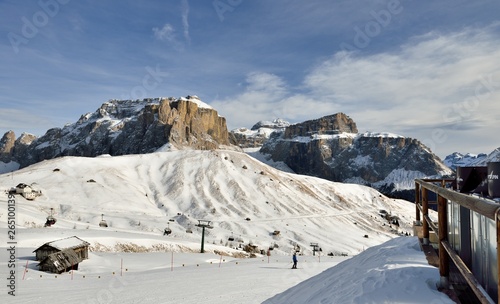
[331, 148]
[7, 144]
[121, 127]
[278, 124]
[332, 124]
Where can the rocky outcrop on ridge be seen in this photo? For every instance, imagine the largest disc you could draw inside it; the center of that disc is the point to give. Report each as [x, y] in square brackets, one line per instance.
[331, 148]
[122, 127]
[258, 134]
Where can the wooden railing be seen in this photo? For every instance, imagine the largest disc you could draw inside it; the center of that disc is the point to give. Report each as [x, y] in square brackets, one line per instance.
[447, 254]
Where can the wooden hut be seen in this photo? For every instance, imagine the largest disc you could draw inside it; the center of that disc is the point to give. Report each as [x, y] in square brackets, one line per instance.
[79, 246]
[22, 188]
[59, 262]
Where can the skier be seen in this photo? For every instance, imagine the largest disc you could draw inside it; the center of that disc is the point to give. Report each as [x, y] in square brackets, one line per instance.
[294, 259]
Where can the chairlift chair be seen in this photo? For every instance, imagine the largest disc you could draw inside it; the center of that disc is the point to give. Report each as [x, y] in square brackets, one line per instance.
[167, 230]
[103, 223]
[51, 220]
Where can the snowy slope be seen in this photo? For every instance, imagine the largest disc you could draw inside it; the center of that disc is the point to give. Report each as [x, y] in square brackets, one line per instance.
[132, 262]
[393, 272]
[384, 273]
[244, 198]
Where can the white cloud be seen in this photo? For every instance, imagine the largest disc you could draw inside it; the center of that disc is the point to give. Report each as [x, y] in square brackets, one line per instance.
[166, 33]
[435, 84]
[185, 21]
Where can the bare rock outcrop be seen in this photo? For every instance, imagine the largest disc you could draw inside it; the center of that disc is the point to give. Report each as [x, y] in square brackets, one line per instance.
[7, 145]
[331, 148]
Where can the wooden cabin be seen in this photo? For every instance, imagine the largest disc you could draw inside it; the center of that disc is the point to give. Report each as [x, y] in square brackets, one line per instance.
[59, 262]
[79, 246]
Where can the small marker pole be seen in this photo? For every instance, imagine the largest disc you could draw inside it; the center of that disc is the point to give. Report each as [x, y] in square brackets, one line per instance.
[220, 262]
[25, 269]
[121, 267]
[172, 262]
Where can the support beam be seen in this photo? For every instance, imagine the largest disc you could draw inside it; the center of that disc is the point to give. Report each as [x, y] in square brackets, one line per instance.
[417, 203]
[444, 259]
[425, 211]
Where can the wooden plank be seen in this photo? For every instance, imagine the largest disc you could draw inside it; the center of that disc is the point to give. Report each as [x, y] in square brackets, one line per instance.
[482, 206]
[478, 290]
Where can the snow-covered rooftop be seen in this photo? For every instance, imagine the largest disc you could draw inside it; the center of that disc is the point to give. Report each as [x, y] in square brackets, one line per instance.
[67, 243]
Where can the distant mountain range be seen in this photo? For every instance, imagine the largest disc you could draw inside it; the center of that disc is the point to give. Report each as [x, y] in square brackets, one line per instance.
[456, 159]
[329, 147]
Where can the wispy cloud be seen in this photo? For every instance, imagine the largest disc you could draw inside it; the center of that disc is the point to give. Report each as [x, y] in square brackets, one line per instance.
[166, 33]
[14, 119]
[445, 81]
[185, 21]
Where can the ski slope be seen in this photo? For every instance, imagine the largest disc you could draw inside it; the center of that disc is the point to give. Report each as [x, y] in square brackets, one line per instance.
[245, 200]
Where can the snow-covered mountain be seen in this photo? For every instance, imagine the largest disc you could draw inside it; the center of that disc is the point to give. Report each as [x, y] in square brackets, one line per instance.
[457, 159]
[121, 127]
[258, 134]
[329, 147]
[332, 148]
[246, 200]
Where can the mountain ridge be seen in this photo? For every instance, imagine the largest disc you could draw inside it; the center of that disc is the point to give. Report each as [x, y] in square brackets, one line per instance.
[121, 127]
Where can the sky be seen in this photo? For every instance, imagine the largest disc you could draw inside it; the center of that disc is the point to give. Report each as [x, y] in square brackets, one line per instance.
[422, 69]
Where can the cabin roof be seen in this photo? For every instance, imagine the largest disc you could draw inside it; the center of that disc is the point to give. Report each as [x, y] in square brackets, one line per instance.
[71, 242]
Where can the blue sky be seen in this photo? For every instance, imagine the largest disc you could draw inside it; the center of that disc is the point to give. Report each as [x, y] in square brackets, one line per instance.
[423, 69]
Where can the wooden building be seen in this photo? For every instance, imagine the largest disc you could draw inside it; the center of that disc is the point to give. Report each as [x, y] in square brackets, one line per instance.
[60, 262]
[27, 191]
[79, 246]
[62, 255]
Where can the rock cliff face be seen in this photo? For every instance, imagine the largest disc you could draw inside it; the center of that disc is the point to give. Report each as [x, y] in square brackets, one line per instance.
[331, 148]
[121, 127]
[7, 145]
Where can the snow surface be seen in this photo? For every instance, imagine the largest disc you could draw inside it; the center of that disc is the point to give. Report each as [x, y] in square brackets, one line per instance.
[393, 272]
[8, 167]
[140, 195]
[195, 99]
[381, 274]
[69, 242]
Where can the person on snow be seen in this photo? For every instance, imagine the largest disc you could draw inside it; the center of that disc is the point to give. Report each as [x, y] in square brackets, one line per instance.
[294, 259]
